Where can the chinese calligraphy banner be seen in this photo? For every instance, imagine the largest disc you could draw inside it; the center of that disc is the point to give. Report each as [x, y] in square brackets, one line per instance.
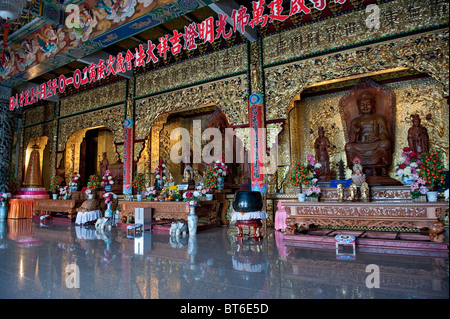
[257, 142]
[127, 157]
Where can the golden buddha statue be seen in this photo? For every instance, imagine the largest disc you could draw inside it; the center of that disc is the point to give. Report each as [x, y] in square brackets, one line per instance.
[369, 136]
[33, 176]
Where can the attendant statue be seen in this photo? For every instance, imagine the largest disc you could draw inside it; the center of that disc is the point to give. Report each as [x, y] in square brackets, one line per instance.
[418, 136]
[369, 137]
[103, 164]
[340, 191]
[321, 146]
[353, 192]
[365, 195]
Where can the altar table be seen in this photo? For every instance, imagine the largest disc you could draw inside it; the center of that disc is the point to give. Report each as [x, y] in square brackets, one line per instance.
[172, 210]
[358, 214]
[68, 206]
[20, 208]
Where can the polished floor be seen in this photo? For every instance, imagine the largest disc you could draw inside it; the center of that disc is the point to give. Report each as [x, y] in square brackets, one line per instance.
[64, 261]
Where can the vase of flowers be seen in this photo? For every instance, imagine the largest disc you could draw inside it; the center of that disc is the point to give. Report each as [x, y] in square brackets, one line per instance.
[107, 181]
[4, 198]
[209, 179]
[192, 201]
[300, 177]
[419, 190]
[139, 183]
[408, 166]
[109, 200]
[150, 193]
[65, 192]
[92, 185]
[174, 193]
[313, 193]
[55, 185]
[160, 175]
[432, 172]
[73, 184]
[220, 171]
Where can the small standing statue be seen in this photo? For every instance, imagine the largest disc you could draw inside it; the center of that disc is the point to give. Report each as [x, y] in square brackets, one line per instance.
[365, 192]
[418, 136]
[340, 191]
[353, 192]
[357, 176]
[187, 174]
[321, 146]
[104, 163]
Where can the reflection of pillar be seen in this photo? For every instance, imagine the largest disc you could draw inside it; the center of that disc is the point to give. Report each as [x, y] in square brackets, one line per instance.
[257, 142]
[128, 157]
[6, 137]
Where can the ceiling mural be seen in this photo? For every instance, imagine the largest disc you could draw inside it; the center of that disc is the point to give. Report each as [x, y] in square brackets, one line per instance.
[101, 23]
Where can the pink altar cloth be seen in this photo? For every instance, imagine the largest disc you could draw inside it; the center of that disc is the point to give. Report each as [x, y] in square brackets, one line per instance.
[280, 217]
[32, 193]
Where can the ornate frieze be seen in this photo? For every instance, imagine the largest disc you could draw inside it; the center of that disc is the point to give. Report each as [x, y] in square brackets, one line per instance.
[373, 23]
[427, 53]
[110, 117]
[104, 95]
[229, 94]
[211, 66]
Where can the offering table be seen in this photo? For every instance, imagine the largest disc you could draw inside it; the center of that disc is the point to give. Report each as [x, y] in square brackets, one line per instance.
[69, 206]
[403, 214]
[173, 210]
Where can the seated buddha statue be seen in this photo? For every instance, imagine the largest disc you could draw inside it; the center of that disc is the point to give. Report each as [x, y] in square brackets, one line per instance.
[369, 137]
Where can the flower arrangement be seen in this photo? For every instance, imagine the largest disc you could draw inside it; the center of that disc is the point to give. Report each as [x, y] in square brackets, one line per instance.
[56, 183]
[203, 190]
[174, 192]
[93, 183]
[209, 179]
[220, 169]
[299, 175]
[409, 165]
[418, 188]
[313, 191]
[107, 179]
[139, 182]
[432, 168]
[64, 191]
[150, 193]
[74, 179]
[160, 171]
[4, 197]
[191, 199]
[314, 168]
[109, 198]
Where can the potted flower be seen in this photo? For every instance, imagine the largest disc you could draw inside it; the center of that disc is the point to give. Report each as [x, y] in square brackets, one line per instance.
[109, 200]
[209, 179]
[419, 190]
[314, 168]
[55, 185]
[107, 181]
[139, 185]
[150, 193]
[313, 193]
[174, 193]
[206, 192]
[432, 172]
[65, 192]
[220, 171]
[408, 166]
[299, 176]
[92, 185]
[160, 175]
[74, 181]
[4, 198]
[191, 199]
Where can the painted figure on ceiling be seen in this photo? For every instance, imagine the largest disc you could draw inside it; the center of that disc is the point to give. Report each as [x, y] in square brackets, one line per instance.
[117, 10]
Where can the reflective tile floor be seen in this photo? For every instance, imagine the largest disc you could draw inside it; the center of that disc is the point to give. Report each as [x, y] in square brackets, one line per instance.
[64, 261]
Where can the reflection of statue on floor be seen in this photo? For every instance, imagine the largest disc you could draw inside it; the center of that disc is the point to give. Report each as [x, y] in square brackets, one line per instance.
[369, 136]
[418, 136]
